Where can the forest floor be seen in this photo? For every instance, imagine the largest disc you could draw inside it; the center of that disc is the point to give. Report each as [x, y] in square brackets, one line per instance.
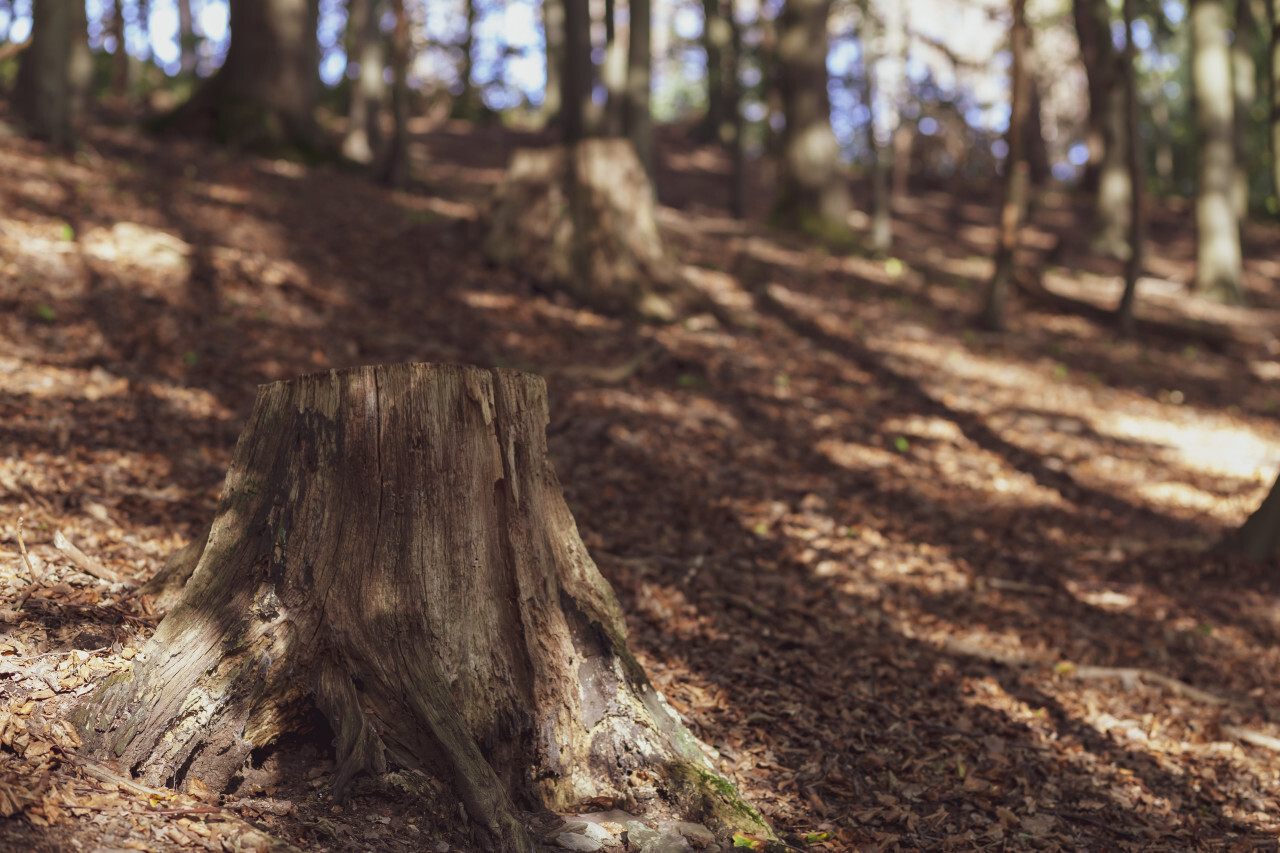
[922, 587]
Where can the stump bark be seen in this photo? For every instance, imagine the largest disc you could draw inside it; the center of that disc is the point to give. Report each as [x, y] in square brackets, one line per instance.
[581, 217]
[392, 548]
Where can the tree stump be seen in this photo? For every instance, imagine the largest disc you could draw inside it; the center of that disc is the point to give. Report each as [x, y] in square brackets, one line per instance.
[392, 549]
[582, 217]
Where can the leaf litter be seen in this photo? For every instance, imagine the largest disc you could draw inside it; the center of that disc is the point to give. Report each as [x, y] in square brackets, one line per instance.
[919, 588]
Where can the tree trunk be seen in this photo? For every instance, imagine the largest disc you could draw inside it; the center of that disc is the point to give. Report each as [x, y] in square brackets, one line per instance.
[394, 169]
[614, 74]
[1133, 267]
[553, 35]
[582, 217]
[578, 74]
[717, 38]
[265, 94]
[468, 105]
[368, 91]
[1037, 151]
[736, 141]
[1217, 229]
[392, 549]
[1259, 537]
[1014, 207]
[1107, 175]
[639, 80]
[1274, 8]
[812, 193]
[187, 40]
[44, 97]
[119, 59]
[879, 126]
[1244, 88]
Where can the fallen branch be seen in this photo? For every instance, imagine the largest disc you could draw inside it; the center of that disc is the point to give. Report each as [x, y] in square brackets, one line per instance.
[1132, 675]
[1253, 737]
[94, 770]
[81, 560]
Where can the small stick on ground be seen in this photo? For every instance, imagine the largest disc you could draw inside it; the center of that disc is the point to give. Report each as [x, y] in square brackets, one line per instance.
[82, 561]
[22, 546]
[31, 571]
[1250, 736]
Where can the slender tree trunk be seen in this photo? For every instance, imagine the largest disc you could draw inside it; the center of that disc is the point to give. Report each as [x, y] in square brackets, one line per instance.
[614, 73]
[369, 89]
[737, 142]
[813, 195]
[1037, 151]
[392, 549]
[639, 78]
[1016, 181]
[1217, 229]
[878, 124]
[1273, 8]
[1133, 267]
[1244, 87]
[187, 40]
[119, 59]
[717, 38]
[553, 37]
[895, 87]
[1164, 145]
[467, 106]
[577, 78]
[395, 165]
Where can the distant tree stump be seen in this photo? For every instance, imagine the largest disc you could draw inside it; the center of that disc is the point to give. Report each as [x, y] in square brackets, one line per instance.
[392, 548]
[582, 217]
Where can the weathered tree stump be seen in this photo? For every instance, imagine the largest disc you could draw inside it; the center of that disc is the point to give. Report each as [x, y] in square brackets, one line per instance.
[392, 548]
[582, 217]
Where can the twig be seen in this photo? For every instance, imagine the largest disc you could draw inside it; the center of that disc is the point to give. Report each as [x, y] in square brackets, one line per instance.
[22, 546]
[82, 561]
[1130, 675]
[94, 770]
[54, 654]
[1250, 736]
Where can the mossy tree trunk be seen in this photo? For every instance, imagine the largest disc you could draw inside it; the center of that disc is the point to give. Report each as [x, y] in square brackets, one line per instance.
[392, 548]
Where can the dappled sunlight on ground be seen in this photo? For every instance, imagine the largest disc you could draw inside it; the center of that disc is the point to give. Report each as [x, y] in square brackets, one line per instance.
[911, 581]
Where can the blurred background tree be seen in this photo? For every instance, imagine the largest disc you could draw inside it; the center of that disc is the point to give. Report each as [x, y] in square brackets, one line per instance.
[830, 113]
